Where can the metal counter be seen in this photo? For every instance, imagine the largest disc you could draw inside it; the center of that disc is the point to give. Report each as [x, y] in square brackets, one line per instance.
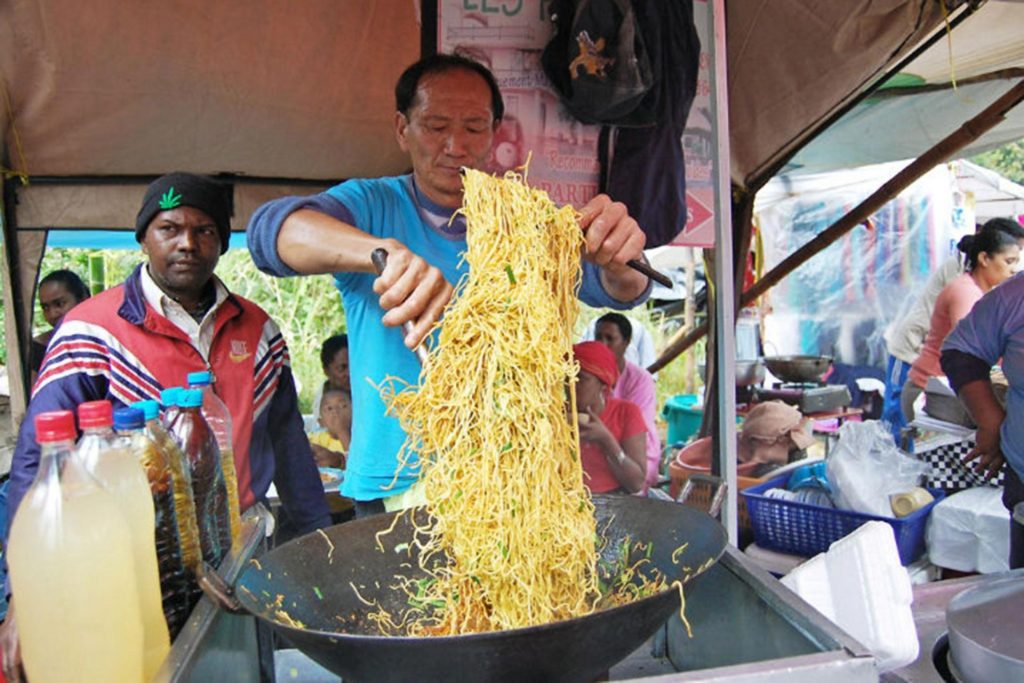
[748, 626]
[215, 645]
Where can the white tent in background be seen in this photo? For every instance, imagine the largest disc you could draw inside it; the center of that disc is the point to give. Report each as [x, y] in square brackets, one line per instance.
[989, 194]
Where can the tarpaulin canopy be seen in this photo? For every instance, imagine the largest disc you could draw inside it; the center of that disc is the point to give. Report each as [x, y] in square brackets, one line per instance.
[950, 82]
[286, 97]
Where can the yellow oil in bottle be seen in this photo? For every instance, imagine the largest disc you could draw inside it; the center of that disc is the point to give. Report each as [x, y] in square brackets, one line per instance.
[117, 468]
[73, 573]
[227, 463]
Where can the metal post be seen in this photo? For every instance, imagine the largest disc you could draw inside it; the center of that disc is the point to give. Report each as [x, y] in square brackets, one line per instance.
[725, 318]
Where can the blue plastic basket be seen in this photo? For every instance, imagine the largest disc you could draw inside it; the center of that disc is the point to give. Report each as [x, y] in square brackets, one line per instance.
[802, 529]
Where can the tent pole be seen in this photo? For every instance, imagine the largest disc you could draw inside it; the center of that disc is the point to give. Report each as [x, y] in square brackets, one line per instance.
[942, 151]
[16, 328]
[725, 308]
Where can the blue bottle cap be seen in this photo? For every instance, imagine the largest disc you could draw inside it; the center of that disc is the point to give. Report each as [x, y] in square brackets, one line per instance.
[199, 378]
[150, 409]
[129, 418]
[169, 397]
[190, 398]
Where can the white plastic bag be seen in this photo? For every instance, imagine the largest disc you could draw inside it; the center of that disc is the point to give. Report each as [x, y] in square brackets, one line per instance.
[865, 468]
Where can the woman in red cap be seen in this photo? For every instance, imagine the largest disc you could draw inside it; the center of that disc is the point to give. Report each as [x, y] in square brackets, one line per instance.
[612, 432]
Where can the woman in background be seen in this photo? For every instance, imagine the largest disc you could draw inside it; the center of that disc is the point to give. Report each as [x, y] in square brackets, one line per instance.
[59, 292]
[613, 436]
[991, 256]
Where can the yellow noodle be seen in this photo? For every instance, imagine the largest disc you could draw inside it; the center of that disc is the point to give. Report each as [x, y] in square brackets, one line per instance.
[511, 536]
[500, 461]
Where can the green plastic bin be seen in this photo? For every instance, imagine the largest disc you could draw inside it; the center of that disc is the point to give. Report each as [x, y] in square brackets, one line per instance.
[683, 413]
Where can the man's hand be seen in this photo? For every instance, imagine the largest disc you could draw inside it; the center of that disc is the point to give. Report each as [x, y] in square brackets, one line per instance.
[987, 452]
[613, 239]
[10, 647]
[411, 290]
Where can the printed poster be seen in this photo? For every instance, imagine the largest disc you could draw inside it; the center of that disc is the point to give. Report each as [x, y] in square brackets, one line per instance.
[509, 36]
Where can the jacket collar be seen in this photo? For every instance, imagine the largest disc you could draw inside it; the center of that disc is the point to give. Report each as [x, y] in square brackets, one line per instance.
[133, 308]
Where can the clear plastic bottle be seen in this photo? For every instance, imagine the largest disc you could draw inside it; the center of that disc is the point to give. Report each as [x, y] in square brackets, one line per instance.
[219, 418]
[70, 558]
[184, 504]
[175, 580]
[119, 471]
[200, 447]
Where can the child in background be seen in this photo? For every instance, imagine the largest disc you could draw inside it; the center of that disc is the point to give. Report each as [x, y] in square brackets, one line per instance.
[334, 361]
[330, 446]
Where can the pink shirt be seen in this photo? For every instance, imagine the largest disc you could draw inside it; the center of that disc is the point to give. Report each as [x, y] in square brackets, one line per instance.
[636, 385]
[623, 420]
[953, 303]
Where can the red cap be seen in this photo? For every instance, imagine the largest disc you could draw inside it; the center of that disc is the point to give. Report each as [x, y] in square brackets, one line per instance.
[95, 414]
[56, 426]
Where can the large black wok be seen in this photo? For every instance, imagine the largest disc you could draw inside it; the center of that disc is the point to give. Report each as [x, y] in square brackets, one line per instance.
[315, 582]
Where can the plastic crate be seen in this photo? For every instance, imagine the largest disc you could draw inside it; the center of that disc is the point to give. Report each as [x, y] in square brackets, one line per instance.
[803, 529]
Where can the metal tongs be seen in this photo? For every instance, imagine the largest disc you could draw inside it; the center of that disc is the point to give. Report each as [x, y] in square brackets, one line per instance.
[379, 257]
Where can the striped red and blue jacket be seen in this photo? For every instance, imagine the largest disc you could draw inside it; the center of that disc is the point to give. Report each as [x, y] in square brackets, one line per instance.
[115, 346]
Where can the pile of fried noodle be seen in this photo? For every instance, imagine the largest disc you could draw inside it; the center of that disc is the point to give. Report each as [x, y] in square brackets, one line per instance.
[500, 461]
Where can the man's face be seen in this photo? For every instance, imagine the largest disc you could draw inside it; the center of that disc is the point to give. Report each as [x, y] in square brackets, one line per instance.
[183, 247]
[610, 335]
[450, 125]
[55, 300]
[337, 371]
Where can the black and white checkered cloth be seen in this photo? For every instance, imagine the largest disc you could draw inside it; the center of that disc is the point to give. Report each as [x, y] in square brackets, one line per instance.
[950, 472]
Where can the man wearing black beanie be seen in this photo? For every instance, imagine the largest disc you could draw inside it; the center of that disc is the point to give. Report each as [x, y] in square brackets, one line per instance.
[187, 189]
[173, 316]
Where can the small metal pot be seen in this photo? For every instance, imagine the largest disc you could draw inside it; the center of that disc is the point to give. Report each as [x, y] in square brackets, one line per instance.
[748, 372]
[798, 368]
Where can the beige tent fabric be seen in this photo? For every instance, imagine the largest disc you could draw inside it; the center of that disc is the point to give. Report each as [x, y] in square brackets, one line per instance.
[792, 63]
[113, 206]
[257, 87]
[987, 41]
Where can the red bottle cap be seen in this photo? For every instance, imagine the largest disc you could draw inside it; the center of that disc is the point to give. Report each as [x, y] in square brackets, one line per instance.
[56, 426]
[95, 414]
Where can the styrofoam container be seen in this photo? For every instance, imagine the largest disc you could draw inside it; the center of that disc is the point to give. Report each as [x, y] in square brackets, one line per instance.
[969, 531]
[860, 585]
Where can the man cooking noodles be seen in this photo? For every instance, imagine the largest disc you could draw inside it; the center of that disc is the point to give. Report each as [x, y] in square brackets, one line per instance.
[447, 110]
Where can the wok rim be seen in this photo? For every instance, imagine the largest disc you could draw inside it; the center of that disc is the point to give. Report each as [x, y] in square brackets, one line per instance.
[799, 357]
[671, 593]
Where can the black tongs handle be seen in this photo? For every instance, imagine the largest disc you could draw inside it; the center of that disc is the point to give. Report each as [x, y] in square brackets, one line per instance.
[379, 257]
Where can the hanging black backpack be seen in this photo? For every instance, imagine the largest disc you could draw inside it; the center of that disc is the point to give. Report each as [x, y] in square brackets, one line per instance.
[598, 62]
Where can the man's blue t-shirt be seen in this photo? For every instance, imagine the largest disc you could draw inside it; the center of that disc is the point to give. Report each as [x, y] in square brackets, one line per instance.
[394, 208]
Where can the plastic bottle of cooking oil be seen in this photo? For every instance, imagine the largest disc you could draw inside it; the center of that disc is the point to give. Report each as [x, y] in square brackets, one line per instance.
[169, 401]
[219, 418]
[184, 504]
[175, 581]
[70, 560]
[118, 470]
[208, 490]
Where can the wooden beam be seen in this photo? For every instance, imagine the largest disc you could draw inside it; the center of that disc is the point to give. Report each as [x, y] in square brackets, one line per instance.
[942, 151]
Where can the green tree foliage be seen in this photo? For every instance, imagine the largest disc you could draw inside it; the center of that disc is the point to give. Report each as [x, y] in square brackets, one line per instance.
[308, 309]
[1007, 160]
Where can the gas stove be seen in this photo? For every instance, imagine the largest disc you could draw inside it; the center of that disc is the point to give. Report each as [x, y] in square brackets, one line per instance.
[807, 398]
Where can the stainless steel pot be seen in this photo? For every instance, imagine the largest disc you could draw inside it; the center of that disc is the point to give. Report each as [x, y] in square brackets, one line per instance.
[798, 368]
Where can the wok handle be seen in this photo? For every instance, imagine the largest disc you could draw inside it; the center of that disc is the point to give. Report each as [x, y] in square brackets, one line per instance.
[217, 589]
[379, 257]
[717, 485]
